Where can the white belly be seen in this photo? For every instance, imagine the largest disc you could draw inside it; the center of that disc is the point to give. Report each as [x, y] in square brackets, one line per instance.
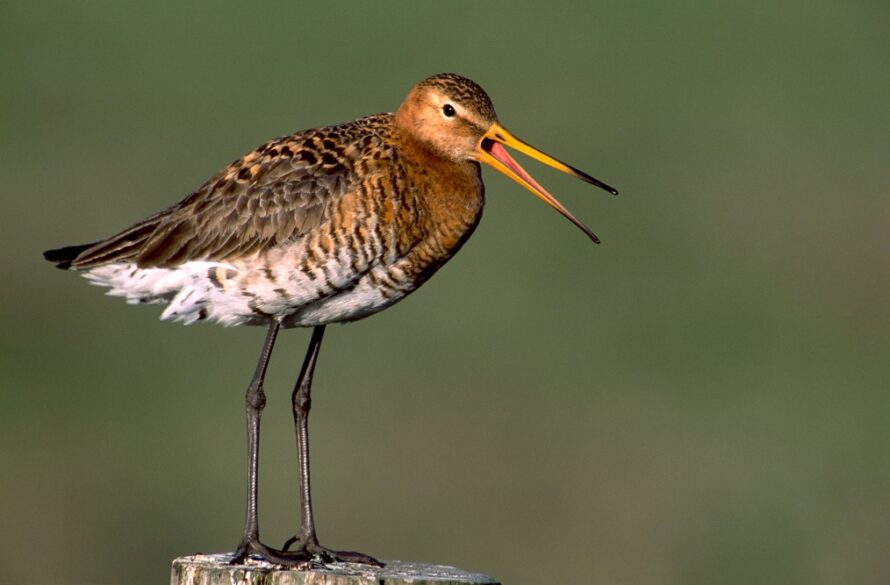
[233, 294]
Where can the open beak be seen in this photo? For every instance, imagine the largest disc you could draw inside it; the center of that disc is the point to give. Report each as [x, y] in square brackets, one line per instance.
[492, 153]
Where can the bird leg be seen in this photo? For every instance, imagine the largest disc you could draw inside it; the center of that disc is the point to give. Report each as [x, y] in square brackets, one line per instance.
[256, 400]
[306, 540]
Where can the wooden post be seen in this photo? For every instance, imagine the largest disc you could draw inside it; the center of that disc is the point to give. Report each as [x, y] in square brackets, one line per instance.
[214, 569]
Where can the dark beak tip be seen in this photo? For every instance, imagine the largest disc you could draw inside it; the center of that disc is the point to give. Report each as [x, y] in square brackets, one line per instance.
[595, 182]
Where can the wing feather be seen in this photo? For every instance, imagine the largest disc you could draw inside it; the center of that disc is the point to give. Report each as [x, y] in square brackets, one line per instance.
[272, 195]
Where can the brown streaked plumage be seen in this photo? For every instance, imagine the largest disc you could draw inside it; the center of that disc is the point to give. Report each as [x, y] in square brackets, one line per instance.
[325, 225]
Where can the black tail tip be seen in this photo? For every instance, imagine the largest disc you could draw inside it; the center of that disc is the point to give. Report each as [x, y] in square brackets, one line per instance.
[64, 257]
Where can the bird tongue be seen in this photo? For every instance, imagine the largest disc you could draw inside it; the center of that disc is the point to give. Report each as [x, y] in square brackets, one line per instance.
[500, 153]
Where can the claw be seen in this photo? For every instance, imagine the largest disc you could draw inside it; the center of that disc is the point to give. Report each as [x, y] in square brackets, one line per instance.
[325, 555]
[293, 559]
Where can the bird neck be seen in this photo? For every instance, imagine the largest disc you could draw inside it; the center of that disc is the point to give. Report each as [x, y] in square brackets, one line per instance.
[424, 155]
[450, 192]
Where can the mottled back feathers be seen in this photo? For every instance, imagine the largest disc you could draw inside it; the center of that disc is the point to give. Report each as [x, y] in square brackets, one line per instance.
[272, 195]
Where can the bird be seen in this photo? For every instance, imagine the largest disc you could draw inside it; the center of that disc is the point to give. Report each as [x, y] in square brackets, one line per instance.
[326, 225]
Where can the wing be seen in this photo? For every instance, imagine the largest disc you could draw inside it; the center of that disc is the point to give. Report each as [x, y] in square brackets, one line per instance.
[272, 195]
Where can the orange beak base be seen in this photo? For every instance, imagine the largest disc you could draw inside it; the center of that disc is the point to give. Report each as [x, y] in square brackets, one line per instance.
[492, 153]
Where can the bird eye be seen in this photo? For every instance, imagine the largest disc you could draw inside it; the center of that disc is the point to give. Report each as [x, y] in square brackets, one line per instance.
[448, 110]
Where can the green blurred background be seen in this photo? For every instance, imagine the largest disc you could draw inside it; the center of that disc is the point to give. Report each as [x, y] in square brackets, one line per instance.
[701, 399]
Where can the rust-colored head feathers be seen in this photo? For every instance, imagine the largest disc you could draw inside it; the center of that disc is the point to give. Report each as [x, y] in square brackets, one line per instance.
[447, 114]
[464, 91]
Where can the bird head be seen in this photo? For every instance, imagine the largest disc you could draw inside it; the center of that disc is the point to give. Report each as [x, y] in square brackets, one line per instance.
[454, 118]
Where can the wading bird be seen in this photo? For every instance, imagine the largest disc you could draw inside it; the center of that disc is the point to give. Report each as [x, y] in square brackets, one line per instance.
[327, 225]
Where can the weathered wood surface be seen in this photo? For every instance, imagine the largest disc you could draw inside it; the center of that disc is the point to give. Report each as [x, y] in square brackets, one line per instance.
[213, 569]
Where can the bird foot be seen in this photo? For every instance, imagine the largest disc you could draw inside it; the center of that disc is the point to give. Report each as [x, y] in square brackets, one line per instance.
[311, 549]
[297, 559]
